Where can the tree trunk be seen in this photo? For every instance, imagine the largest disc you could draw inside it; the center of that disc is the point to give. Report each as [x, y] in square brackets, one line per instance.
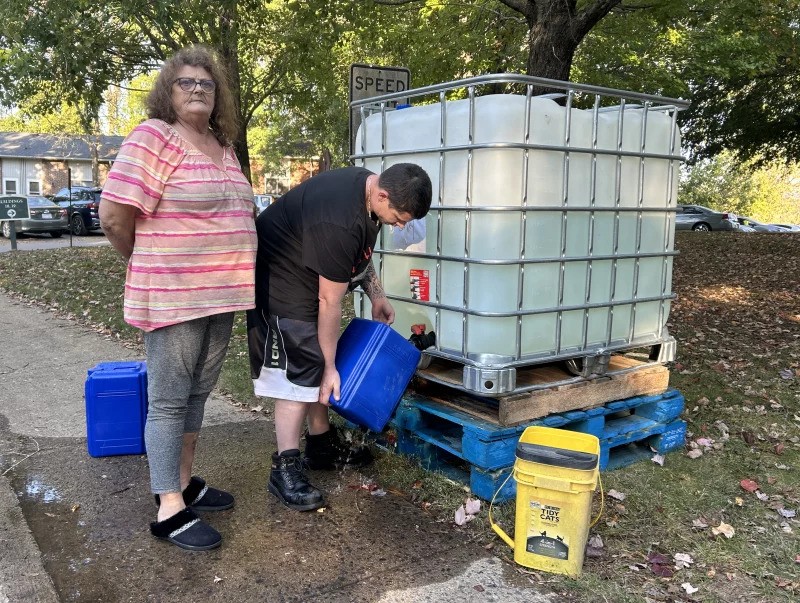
[555, 28]
[229, 51]
[551, 48]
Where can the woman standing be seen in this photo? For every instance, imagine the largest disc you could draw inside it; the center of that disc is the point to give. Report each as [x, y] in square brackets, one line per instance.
[179, 210]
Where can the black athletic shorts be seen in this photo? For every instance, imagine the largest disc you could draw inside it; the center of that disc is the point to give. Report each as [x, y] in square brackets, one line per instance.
[286, 361]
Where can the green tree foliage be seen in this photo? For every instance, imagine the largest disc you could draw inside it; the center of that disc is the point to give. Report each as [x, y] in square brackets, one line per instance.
[67, 50]
[81, 47]
[765, 192]
[738, 61]
[26, 117]
[438, 40]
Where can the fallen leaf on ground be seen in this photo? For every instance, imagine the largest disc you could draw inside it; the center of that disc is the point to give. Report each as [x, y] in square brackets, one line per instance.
[724, 529]
[694, 453]
[663, 571]
[699, 524]
[682, 560]
[472, 506]
[749, 485]
[787, 373]
[594, 552]
[779, 448]
[658, 459]
[658, 558]
[616, 495]
[417, 485]
[761, 496]
[690, 590]
[788, 513]
[596, 541]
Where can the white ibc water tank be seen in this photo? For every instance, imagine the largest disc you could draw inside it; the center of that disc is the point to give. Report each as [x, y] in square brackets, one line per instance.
[570, 296]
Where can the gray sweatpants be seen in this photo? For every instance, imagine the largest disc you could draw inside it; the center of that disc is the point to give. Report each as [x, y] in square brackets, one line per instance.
[183, 364]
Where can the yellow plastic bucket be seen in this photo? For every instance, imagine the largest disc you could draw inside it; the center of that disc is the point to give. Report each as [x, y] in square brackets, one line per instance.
[556, 472]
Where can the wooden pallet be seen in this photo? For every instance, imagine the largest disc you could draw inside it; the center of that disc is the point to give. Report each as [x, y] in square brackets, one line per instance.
[558, 390]
[481, 454]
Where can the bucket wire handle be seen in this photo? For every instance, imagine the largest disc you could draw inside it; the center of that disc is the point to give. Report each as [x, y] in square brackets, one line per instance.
[602, 502]
[497, 529]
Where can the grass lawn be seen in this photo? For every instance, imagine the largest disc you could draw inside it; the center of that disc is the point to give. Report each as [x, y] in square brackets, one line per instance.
[726, 505]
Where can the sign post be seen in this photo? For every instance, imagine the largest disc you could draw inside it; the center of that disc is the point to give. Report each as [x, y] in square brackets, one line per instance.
[13, 208]
[373, 80]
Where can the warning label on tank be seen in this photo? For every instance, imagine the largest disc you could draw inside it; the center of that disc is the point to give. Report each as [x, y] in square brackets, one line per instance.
[544, 536]
[420, 284]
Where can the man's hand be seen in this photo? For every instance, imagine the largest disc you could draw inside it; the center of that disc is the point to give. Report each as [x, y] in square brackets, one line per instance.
[382, 310]
[330, 385]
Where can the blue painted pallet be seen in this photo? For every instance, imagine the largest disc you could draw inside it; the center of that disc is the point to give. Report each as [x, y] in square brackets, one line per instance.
[482, 453]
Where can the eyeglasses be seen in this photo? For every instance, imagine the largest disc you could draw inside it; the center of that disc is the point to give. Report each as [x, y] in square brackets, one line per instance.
[188, 84]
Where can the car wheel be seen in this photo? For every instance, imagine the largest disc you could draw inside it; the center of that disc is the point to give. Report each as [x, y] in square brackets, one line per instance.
[77, 225]
[6, 230]
[701, 227]
[56, 234]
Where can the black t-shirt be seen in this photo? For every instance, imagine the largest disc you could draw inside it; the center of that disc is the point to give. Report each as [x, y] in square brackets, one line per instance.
[319, 228]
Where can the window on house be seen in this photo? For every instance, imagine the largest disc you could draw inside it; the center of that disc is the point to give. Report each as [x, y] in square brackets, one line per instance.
[34, 187]
[10, 186]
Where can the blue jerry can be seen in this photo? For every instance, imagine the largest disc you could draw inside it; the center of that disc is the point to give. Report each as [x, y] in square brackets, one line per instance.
[116, 408]
[375, 365]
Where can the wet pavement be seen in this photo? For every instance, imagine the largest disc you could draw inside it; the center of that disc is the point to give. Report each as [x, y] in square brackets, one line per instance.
[87, 518]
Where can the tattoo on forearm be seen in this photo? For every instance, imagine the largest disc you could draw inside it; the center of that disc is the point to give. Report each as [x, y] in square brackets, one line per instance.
[372, 284]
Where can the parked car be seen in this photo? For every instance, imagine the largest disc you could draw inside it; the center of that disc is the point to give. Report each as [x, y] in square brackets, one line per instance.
[759, 226]
[83, 213]
[263, 201]
[45, 217]
[789, 227]
[741, 226]
[702, 219]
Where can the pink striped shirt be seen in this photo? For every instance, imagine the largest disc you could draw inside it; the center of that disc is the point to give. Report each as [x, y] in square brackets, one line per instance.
[195, 248]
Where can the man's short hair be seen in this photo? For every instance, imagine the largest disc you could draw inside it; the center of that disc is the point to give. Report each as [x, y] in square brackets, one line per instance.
[409, 188]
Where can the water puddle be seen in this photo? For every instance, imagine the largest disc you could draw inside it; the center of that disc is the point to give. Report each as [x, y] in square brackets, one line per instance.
[35, 488]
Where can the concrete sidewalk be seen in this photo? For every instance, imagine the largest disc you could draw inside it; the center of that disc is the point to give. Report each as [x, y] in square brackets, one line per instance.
[75, 528]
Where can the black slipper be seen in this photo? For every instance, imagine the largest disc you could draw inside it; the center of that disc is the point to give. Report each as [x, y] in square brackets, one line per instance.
[200, 497]
[186, 530]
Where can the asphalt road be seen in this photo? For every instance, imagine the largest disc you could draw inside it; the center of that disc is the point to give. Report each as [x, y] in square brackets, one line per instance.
[28, 242]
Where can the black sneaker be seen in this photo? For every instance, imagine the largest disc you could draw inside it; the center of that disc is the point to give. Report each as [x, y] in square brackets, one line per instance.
[288, 482]
[329, 451]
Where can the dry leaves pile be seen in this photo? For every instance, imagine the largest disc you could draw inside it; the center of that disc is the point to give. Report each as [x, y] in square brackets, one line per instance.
[737, 323]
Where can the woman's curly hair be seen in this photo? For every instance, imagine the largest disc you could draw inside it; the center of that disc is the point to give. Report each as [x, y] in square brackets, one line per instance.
[223, 117]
